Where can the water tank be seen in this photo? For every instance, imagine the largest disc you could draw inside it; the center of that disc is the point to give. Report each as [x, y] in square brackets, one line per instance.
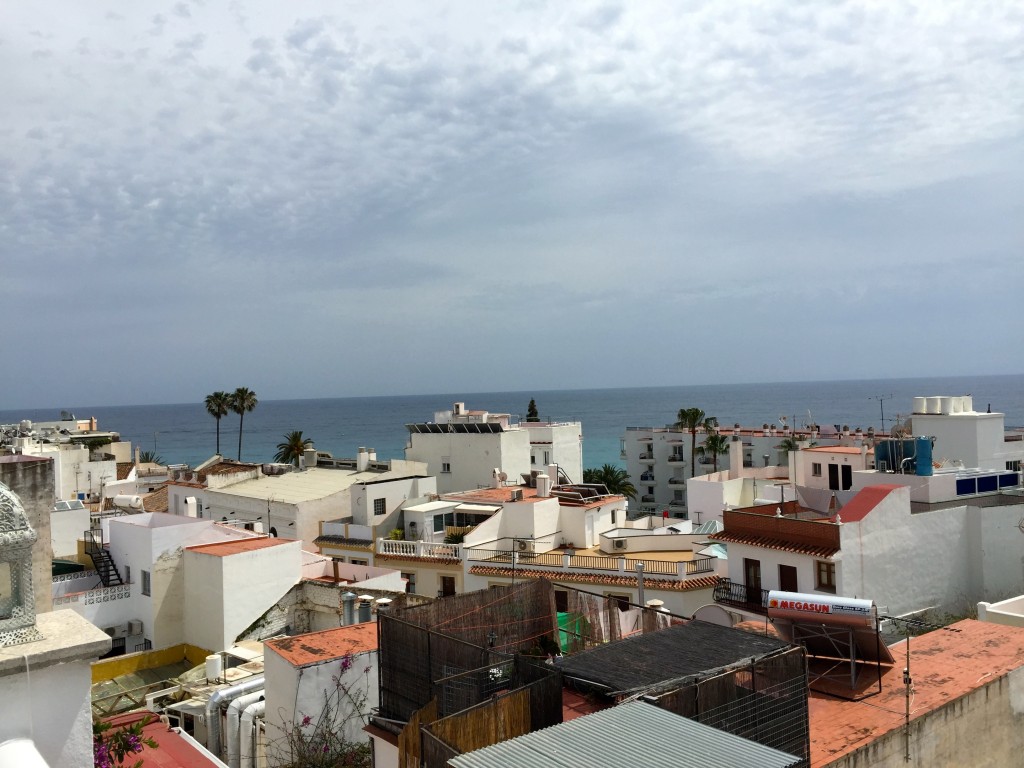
[923, 453]
[968, 403]
[125, 501]
[958, 405]
[214, 667]
[821, 609]
[934, 405]
[920, 404]
[945, 405]
[21, 753]
[26, 425]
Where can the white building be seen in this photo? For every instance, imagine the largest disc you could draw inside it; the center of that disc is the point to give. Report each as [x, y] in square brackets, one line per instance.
[659, 462]
[231, 584]
[463, 448]
[331, 677]
[293, 504]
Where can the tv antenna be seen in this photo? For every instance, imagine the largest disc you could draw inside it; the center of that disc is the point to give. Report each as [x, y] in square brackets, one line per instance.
[881, 405]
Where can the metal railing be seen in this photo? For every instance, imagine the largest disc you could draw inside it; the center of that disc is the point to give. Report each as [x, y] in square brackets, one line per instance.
[676, 458]
[565, 562]
[739, 595]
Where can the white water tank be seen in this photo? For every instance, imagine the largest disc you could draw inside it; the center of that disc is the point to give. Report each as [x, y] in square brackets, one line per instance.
[945, 405]
[21, 753]
[920, 403]
[126, 501]
[958, 405]
[543, 486]
[968, 403]
[934, 405]
[214, 667]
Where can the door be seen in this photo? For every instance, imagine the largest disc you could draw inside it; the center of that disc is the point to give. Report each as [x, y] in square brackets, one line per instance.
[787, 578]
[847, 477]
[833, 477]
[589, 522]
[752, 579]
[447, 586]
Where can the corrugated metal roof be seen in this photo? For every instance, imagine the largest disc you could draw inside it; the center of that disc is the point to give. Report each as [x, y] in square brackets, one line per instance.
[629, 734]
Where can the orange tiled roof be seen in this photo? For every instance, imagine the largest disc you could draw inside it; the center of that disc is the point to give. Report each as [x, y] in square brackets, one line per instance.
[857, 508]
[676, 585]
[225, 548]
[769, 543]
[124, 468]
[945, 666]
[155, 501]
[320, 647]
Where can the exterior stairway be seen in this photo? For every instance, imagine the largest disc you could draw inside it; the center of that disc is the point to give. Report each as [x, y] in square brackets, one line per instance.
[101, 559]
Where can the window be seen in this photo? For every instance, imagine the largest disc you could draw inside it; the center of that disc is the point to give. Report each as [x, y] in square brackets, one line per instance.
[621, 601]
[615, 517]
[825, 576]
[816, 469]
[147, 587]
[379, 507]
[1013, 466]
[446, 466]
[547, 459]
[677, 495]
[357, 561]
[787, 578]
[650, 490]
[438, 523]
[410, 582]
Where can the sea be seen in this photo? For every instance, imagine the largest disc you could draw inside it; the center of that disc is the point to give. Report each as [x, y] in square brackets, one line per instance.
[183, 433]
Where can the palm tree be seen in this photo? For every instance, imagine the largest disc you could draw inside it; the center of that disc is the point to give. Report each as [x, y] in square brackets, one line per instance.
[692, 420]
[291, 450]
[715, 444]
[150, 457]
[218, 404]
[242, 401]
[615, 479]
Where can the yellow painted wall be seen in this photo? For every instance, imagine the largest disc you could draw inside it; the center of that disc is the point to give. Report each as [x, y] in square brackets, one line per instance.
[108, 669]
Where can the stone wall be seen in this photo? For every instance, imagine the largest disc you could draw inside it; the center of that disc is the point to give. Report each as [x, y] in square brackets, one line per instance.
[32, 479]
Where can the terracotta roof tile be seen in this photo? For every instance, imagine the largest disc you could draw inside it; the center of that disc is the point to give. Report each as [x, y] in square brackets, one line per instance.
[155, 501]
[678, 585]
[320, 647]
[438, 560]
[945, 665]
[857, 508]
[769, 543]
[124, 468]
[226, 548]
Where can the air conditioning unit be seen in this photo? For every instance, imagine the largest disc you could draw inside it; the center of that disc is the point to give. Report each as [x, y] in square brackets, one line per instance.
[517, 494]
[134, 627]
[118, 630]
[620, 544]
[524, 546]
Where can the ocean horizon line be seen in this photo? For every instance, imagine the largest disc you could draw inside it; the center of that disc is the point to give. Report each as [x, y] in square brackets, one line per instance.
[534, 392]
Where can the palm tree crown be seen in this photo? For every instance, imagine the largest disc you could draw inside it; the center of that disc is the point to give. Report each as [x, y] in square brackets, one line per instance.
[615, 479]
[715, 444]
[242, 401]
[291, 450]
[692, 420]
[217, 405]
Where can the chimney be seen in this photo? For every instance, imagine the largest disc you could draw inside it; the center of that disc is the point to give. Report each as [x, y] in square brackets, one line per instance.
[137, 452]
[371, 454]
[735, 457]
[348, 605]
[543, 485]
[362, 460]
[309, 457]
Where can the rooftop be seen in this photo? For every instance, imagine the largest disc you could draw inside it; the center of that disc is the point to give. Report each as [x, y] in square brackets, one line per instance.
[296, 487]
[641, 662]
[238, 546]
[319, 647]
[851, 449]
[945, 665]
[583, 577]
[636, 733]
[174, 749]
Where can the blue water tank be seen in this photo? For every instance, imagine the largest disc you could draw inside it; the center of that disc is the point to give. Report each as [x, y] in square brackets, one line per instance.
[923, 452]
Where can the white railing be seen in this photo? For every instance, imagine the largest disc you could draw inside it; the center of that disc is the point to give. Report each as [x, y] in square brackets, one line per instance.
[419, 549]
[94, 596]
[596, 564]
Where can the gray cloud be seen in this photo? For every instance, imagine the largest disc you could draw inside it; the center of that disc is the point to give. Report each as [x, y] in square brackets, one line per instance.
[693, 183]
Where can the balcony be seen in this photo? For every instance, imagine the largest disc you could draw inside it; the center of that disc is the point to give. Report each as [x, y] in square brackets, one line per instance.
[648, 498]
[647, 477]
[676, 458]
[561, 562]
[752, 599]
[419, 549]
[649, 457]
[677, 481]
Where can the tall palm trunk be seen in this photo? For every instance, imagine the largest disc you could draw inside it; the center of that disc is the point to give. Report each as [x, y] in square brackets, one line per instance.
[218, 436]
[241, 418]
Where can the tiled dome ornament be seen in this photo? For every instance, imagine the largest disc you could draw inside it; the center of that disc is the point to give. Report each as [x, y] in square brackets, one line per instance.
[17, 600]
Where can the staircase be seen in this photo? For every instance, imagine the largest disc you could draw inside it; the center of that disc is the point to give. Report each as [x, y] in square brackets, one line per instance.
[101, 558]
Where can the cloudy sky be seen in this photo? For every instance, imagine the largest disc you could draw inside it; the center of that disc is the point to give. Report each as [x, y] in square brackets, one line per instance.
[339, 198]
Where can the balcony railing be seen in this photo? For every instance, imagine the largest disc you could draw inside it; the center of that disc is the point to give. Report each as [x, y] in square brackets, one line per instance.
[647, 477]
[677, 481]
[419, 549]
[753, 599]
[646, 457]
[558, 561]
[676, 458]
[648, 497]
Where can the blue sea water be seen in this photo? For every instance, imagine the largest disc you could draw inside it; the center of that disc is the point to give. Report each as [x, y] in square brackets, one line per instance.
[185, 433]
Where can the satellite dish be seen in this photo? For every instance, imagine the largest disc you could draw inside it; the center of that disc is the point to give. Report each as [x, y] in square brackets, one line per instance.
[503, 476]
